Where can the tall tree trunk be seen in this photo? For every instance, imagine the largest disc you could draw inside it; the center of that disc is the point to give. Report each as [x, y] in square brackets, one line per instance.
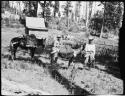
[79, 2]
[86, 17]
[35, 8]
[76, 11]
[54, 13]
[29, 6]
[44, 9]
[19, 6]
[103, 21]
[89, 14]
[68, 16]
[54, 10]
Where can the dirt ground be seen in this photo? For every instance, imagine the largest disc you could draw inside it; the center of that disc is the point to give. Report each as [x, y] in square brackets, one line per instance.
[24, 76]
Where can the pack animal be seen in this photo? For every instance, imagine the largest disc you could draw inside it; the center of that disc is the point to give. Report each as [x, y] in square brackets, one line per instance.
[70, 56]
[21, 42]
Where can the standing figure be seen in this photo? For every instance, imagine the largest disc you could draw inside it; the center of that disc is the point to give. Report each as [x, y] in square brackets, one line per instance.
[89, 51]
[56, 48]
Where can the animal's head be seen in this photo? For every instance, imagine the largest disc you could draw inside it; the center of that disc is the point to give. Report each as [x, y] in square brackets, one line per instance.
[43, 42]
[23, 41]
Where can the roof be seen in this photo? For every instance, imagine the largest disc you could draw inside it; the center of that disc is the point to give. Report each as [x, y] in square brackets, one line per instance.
[35, 23]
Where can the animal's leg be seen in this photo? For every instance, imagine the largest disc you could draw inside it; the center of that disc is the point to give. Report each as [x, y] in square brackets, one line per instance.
[86, 60]
[55, 57]
[13, 52]
[92, 59]
[12, 49]
[70, 60]
[52, 58]
[32, 51]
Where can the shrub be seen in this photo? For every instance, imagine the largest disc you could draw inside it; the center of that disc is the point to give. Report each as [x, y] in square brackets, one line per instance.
[53, 22]
[62, 25]
[74, 28]
[49, 40]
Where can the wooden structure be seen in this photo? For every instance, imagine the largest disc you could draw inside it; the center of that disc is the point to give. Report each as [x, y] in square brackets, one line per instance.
[36, 26]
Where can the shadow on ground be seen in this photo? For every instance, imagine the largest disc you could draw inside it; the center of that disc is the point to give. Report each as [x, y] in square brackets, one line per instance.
[72, 88]
[111, 66]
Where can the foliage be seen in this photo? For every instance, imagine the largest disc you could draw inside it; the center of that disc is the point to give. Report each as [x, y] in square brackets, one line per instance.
[67, 8]
[107, 49]
[47, 14]
[96, 22]
[31, 8]
[74, 27]
[5, 4]
[77, 14]
[113, 15]
[56, 7]
[53, 21]
[62, 24]
[110, 19]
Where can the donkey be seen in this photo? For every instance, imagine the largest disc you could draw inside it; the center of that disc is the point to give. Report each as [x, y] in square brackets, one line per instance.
[71, 56]
[29, 42]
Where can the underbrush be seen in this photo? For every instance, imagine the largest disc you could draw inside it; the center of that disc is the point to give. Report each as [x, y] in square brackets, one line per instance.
[20, 65]
[61, 24]
[11, 23]
[109, 53]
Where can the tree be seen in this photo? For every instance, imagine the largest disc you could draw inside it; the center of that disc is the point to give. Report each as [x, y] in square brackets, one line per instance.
[89, 10]
[67, 10]
[113, 12]
[96, 22]
[103, 20]
[46, 10]
[43, 7]
[19, 11]
[35, 7]
[56, 8]
[77, 11]
[5, 5]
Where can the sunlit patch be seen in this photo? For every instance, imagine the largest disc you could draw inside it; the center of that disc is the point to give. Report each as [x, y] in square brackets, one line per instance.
[101, 67]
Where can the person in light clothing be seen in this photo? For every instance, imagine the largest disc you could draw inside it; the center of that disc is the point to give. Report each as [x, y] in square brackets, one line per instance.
[56, 47]
[89, 50]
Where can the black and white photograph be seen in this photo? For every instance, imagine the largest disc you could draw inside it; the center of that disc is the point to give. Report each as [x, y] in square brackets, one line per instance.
[61, 48]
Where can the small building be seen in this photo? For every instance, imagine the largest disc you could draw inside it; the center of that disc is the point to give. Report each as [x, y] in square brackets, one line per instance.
[36, 26]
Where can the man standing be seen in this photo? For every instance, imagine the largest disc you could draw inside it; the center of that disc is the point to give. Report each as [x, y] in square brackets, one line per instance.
[89, 50]
[56, 47]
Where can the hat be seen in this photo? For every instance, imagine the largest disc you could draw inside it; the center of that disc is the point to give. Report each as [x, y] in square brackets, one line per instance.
[58, 36]
[91, 38]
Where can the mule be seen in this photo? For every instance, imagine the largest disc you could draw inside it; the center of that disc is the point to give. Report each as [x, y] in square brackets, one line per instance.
[29, 42]
[70, 56]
